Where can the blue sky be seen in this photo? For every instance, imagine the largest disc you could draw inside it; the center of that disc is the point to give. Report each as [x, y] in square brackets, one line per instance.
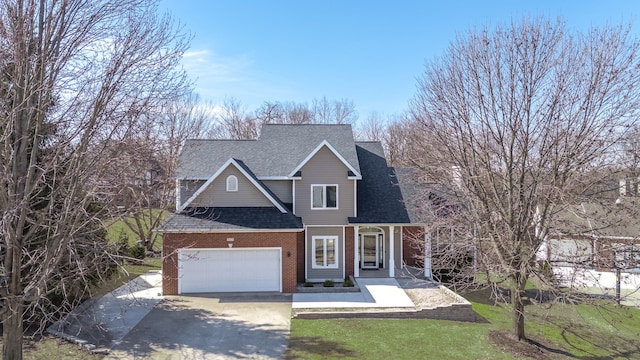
[369, 52]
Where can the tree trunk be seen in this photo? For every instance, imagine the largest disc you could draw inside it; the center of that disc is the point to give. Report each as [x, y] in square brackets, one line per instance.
[517, 313]
[12, 330]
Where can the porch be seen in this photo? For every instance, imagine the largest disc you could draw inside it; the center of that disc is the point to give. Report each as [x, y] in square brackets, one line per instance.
[384, 250]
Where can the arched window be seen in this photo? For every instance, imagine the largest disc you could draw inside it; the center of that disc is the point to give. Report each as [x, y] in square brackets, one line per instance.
[232, 183]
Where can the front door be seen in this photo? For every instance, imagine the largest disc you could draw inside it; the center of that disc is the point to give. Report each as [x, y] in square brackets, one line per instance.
[370, 251]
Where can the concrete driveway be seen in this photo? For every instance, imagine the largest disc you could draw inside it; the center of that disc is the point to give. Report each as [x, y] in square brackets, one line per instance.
[211, 326]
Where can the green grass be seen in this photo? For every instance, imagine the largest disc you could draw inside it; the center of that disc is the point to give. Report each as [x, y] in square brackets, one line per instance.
[389, 339]
[118, 228]
[49, 347]
[600, 330]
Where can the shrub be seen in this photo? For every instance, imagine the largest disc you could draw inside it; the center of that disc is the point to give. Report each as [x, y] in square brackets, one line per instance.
[347, 283]
[328, 283]
[137, 251]
[308, 284]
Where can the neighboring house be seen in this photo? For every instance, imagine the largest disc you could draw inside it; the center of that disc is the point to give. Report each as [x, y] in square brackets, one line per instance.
[602, 236]
[301, 203]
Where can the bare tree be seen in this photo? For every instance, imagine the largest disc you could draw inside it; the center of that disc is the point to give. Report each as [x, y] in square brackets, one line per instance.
[510, 120]
[333, 111]
[374, 128]
[393, 131]
[74, 74]
[236, 123]
[143, 179]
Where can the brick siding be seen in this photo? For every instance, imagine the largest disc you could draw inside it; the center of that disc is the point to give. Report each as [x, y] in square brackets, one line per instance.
[413, 245]
[289, 242]
[348, 251]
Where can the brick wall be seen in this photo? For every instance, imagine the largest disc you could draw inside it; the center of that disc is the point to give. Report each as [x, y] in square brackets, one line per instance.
[413, 245]
[289, 242]
[348, 251]
[300, 257]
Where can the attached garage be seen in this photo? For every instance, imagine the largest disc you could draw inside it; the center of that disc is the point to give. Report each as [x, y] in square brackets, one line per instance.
[229, 270]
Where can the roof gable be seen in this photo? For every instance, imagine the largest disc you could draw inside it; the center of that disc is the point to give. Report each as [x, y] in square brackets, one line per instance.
[325, 143]
[247, 174]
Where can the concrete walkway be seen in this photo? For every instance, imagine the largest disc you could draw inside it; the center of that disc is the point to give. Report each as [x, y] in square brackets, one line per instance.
[102, 322]
[374, 293]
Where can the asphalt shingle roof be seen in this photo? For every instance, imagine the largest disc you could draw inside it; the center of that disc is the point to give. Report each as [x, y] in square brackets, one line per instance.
[599, 219]
[380, 198]
[278, 151]
[230, 218]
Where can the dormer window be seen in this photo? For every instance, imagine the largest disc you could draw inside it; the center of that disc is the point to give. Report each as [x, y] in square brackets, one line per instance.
[324, 196]
[232, 183]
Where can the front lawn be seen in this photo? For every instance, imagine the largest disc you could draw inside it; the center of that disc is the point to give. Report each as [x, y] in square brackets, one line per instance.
[559, 331]
[389, 339]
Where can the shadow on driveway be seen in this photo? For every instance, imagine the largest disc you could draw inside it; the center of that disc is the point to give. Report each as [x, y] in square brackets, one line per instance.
[211, 326]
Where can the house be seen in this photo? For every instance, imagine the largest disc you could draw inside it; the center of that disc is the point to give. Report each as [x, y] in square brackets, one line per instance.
[596, 235]
[300, 203]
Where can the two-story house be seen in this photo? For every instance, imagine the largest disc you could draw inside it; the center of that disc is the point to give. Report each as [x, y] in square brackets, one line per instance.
[301, 203]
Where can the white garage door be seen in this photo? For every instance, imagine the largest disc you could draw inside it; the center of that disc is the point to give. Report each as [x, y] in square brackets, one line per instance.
[229, 270]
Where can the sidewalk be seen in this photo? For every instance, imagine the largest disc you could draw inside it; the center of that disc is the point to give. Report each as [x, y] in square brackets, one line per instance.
[381, 293]
[100, 323]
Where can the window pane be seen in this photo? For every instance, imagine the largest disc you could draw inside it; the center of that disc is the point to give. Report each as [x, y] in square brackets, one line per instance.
[319, 252]
[331, 196]
[317, 197]
[331, 252]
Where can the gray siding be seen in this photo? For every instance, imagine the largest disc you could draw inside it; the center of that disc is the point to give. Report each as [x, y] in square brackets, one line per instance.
[324, 274]
[217, 195]
[324, 168]
[282, 189]
[188, 188]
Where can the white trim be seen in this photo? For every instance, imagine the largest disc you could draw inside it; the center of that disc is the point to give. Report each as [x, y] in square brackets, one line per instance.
[355, 198]
[392, 245]
[178, 194]
[258, 177]
[273, 177]
[379, 251]
[307, 253]
[336, 254]
[356, 251]
[293, 196]
[230, 182]
[344, 240]
[337, 154]
[386, 224]
[216, 231]
[427, 254]
[402, 262]
[324, 197]
[181, 250]
[229, 162]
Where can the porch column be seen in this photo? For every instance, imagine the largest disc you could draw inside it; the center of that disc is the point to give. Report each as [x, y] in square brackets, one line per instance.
[356, 249]
[392, 261]
[427, 254]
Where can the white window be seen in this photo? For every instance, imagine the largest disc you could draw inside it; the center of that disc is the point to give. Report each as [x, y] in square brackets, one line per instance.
[232, 183]
[324, 196]
[325, 252]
